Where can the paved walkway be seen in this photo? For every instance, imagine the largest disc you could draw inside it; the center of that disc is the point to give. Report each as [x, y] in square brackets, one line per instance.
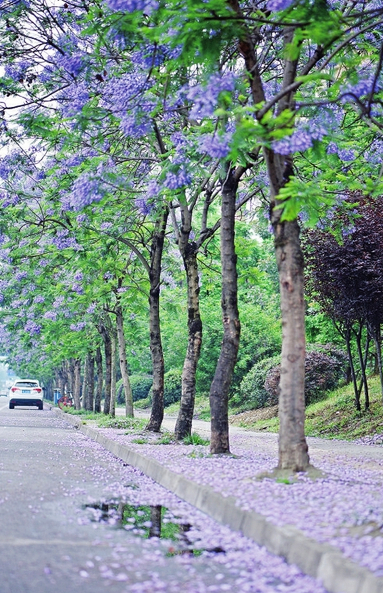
[331, 528]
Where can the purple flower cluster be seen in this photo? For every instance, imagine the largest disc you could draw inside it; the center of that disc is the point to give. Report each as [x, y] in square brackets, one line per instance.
[146, 6]
[121, 93]
[216, 146]
[204, 98]
[32, 328]
[77, 288]
[143, 205]
[77, 327]
[91, 309]
[85, 190]
[177, 179]
[17, 71]
[135, 127]
[72, 64]
[73, 99]
[278, 5]
[52, 315]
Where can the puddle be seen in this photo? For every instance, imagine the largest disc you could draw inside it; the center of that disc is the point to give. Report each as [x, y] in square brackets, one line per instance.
[147, 522]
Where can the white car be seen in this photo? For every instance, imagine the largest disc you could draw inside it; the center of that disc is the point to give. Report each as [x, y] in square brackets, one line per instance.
[26, 392]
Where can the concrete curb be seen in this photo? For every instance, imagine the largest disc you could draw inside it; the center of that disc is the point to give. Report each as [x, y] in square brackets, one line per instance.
[321, 561]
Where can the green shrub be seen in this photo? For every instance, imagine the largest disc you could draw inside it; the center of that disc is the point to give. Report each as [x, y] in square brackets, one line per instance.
[141, 385]
[252, 393]
[172, 387]
[325, 368]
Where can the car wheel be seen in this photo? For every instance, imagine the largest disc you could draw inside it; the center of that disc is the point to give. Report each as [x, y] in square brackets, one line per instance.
[41, 406]
[11, 406]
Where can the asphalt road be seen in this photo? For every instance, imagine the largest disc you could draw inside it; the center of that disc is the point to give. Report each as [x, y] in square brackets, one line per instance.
[48, 472]
[50, 541]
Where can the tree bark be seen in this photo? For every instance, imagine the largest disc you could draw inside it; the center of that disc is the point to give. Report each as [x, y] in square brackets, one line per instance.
[77, 384]
[113, 369]
[100, 377]
[157, 412]
[89, 381]
[185, 416]
[105, 334]
[85, 385]
[70, 370]
[219, 390]
[293, 450]
[123, 361]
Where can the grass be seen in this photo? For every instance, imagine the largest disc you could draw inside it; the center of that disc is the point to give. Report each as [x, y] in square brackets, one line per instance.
[195, 439]
[336, 416]
[201, 408]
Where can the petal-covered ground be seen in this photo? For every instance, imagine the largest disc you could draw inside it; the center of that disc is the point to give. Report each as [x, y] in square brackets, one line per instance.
[343, 508]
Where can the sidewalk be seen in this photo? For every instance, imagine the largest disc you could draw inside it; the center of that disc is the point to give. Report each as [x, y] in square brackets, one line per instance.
[331, 528]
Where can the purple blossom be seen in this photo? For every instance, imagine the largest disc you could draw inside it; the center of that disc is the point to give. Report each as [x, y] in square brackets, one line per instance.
[346, 155]
[134, 127]
[178, 179]
[32, 328]
[332, 148]
[205, 97]
[143, 205]
[86, 189]
[146, 6]
[39, 298]
[72, 64]
[73, 99]
[52, 315]
[91, 309]
[17, 71]
[82, 218]
[78, 276]
[216, 146]
[20, 275]
[106, 225]
[58, 302]
[77, 288]
[77, 327]
[278, 5]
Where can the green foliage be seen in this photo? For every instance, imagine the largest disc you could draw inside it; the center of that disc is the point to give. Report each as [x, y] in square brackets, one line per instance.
[141, 385]
[252, 393]
[166, 439]
[325, 369]
[195, 439]
[172, 387]
[132, 424]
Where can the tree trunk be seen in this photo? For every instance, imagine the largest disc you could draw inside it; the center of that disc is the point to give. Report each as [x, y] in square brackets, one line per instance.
[185, 416]
[60, 380]
[113, 369]
[363, 363]
[70, 369]
[123, 362]
[347, 337]
[100, 377]
[85, 385]
[89, 380]
[157, 412]
[105, 334]
[155, 520]
[77, 384]
[293, 450]
[219, 390]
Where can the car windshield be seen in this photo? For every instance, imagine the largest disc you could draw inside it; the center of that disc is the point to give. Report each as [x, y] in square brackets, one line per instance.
[26, 384]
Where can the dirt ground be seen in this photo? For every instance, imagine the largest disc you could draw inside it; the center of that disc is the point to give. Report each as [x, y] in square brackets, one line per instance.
[248, 418]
